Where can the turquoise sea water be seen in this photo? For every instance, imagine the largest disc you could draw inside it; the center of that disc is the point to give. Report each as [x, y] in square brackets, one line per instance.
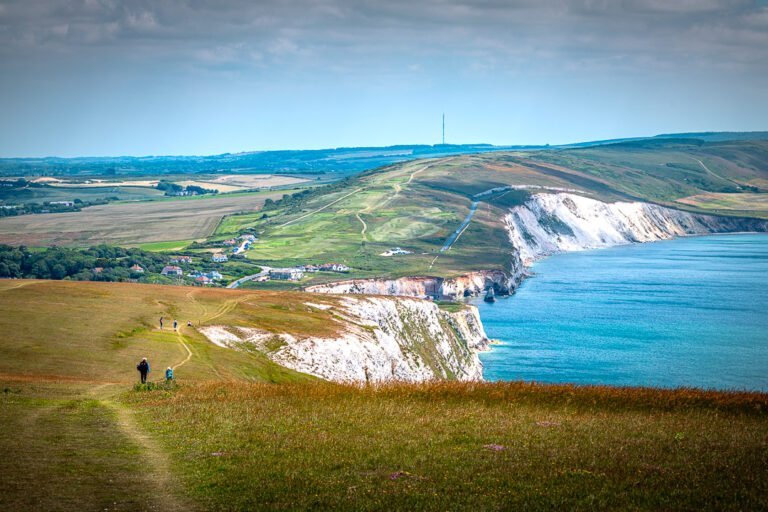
[686, 312]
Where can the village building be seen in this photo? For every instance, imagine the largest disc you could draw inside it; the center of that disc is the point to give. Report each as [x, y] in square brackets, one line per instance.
[248, 237]
[213, 275]
[286, 274]
[137, 268]
[231, 241]
[310, 268]
[98, 270]
[219, 257]
[181, 259]
[172, 270]
[334, 267]
[203, 280]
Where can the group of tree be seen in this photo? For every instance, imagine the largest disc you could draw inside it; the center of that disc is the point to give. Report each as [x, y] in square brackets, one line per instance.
[174, 189]
[99, 263]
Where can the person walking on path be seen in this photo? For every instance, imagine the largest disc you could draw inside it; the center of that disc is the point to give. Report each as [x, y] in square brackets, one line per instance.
[168, 375]
[161, 323]
[143, 368]
[175, 324]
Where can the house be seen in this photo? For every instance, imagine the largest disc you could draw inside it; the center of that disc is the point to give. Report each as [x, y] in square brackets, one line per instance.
[181, 259]
[248, 237]
[137, 268]
[172, 270]
[98, 270]
[310, 268]
[203, 280]
[219, 257]
[62, 203]
[213, 275]
[334, 267]
[231, 241]
[286, 274]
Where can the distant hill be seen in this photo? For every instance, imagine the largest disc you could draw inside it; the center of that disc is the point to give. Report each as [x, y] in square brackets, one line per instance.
[335, 163]
[716, 136]
[330, 164]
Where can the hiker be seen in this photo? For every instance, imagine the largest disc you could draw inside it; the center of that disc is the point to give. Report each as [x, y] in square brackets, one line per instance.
[175, 323]
[143, 368]
[189, 323]
[161, 323]
[168, 375]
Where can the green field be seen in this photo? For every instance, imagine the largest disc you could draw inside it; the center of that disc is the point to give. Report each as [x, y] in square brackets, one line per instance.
[239, 432]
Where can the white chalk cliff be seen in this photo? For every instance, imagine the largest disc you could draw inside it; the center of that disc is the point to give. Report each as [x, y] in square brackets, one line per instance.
[380, 339]
[554, 223]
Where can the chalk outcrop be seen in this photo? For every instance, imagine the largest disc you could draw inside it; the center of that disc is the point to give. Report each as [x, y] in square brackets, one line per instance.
[379, 339]
[554, 223]
[467, 285]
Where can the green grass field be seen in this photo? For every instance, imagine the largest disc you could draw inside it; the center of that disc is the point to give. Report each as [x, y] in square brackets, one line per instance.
[239, 432]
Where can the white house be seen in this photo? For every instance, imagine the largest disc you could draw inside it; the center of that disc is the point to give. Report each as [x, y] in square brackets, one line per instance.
[286, 274]
[219, 257]
[172, 270]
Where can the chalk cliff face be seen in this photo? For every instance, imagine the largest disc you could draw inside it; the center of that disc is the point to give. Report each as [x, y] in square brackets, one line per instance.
[552, 223]
[380, 339]
[469, 284]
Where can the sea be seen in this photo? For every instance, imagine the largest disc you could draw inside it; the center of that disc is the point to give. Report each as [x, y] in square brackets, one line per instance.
[689, 312]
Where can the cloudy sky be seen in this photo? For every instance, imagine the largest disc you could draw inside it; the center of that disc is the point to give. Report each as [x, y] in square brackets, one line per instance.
[109, 77]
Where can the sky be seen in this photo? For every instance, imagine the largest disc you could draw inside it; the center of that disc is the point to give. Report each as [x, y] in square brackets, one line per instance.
[171, 77]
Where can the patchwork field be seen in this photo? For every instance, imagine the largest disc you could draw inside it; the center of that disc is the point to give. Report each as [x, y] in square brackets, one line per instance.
[745, 203]
[56, 193]
[239, 432]
[130, 223]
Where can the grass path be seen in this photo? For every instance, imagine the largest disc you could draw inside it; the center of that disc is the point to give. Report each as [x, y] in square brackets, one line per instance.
[158, 475]
[319, 209]
[365, 226]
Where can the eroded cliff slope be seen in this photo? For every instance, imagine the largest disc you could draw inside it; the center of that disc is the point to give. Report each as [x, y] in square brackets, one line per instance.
[379, 339]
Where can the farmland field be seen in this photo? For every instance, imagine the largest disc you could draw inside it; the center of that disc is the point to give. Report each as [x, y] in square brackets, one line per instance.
[70, 193]
[130, 223]
[748, 204]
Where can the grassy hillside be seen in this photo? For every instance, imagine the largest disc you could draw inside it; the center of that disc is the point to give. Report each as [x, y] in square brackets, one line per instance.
[241, 433]
[419, 204]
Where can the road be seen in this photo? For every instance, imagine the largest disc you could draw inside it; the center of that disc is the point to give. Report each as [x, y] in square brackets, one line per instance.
[235, 284]
[451, 239]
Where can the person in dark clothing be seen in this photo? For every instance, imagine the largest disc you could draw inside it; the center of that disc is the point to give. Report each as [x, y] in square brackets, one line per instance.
[175, 324]
[143, 368]
[161, 323]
